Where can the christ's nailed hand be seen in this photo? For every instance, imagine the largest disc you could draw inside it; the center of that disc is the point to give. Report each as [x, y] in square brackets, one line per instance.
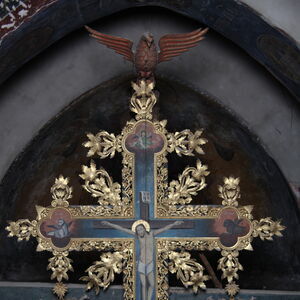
[105, 223]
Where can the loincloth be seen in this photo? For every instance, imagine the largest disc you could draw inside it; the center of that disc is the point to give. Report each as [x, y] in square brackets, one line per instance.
[145, 268]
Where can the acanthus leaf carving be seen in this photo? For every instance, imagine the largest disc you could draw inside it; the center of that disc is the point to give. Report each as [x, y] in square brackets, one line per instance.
[102, 273]
[230, 191]
[100, 185]
[266, 228]
[103, 144]
[23, 229]
[189, 183]
[60, 264]
[187, 270]
[186, 143]
[61, 192]
[142, 100]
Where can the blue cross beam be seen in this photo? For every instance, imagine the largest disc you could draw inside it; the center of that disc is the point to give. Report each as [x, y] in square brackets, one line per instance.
[145, 250]
[145, 227]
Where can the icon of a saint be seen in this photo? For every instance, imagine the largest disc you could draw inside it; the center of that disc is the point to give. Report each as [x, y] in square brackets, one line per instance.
[61, 229]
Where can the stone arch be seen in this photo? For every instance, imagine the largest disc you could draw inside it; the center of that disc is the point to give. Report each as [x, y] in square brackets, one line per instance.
[270, 46]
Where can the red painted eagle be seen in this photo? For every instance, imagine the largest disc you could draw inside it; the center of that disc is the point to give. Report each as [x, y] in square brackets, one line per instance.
[146, 56]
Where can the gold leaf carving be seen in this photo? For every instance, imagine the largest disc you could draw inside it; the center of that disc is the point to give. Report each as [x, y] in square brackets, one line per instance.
[127, 184]
[266, 228]
[101, 185]
[61, 192]
[142, 100]
[229, 264]
[102, 273]
[189, 183]
[60, 290]
[103, 144]
[60, 264]
[230, 191]
[185, 142]
[232, 289]
[23, 229]
[187, 270]
[169, 259]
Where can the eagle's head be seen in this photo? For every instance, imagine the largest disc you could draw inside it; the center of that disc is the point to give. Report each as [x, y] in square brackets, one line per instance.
[148, 38]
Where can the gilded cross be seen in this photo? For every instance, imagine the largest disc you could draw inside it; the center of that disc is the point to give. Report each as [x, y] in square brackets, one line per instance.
[145, 226]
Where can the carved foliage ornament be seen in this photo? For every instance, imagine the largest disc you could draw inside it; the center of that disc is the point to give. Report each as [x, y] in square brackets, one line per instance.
[144, 144]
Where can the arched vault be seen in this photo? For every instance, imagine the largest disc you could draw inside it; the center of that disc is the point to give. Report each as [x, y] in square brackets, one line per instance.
[48, 21]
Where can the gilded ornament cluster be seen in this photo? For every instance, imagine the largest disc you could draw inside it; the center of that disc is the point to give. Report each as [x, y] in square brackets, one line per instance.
[102, 273]
[100, 185]
[230, 191]
[187, 270]
[61, 192]
[173, 200]
[189, 183]
[186, 143]
[143, 100]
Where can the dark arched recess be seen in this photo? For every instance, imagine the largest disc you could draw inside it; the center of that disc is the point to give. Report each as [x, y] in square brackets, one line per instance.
[231, 150]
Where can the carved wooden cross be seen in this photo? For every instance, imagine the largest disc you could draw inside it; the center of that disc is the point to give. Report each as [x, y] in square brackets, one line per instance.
[145, 227]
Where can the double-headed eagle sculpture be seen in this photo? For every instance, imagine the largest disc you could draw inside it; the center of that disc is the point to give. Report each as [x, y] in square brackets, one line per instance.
[146, 56]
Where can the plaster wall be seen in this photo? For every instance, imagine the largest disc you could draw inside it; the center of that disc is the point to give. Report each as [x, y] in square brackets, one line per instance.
[281, 13]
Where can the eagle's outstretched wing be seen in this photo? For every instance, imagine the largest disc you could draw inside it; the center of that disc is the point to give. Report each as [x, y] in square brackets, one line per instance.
[120, 45]
[172, 45]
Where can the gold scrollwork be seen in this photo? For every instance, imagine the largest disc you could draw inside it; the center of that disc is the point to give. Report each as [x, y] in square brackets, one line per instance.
[60, 264]
[102, 273]
[162, 270]
[185, 142]
[266, 228]
[188, 244]
[61, 192]
[103, 144]
[142, 100]
[189, 183]
[127, 184]
[60, 290]
[23, 229]
[229, 265]
[246, 211]
[197, 211]
[230, 191]
[100, 185]
[101, 211]
[187, 270]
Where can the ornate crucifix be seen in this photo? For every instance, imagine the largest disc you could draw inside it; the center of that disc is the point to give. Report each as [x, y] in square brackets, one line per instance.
[146, 226]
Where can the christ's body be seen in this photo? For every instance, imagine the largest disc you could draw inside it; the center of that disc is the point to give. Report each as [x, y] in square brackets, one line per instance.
[145, 256]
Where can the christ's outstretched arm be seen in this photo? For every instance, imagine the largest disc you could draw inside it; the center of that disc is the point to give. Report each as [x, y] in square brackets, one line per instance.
[158, 231]
[114, 226]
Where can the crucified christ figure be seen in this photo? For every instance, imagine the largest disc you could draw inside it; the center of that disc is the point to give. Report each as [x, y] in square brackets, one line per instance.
[141, 231]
